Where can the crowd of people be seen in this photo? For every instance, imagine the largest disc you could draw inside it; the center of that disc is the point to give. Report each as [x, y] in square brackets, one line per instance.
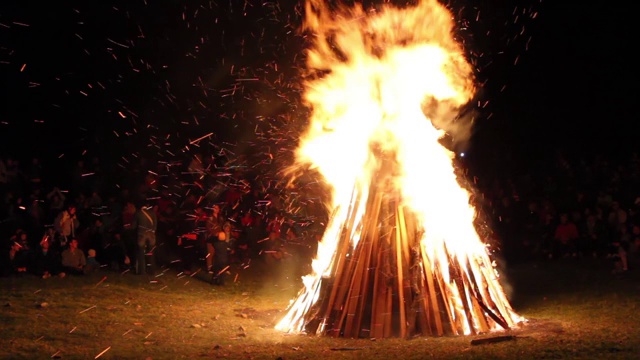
[182, 217]
[574, 207]
[144, 217]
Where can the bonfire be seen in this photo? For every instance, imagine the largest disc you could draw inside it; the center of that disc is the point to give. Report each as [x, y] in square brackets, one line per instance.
[400, 255]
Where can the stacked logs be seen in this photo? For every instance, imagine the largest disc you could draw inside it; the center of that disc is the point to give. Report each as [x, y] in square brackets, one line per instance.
[388, 286]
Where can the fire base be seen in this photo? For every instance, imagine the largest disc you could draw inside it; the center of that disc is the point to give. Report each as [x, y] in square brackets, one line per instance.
[390, 285]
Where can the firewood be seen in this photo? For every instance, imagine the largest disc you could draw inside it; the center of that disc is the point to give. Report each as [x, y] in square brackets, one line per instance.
[493, 339]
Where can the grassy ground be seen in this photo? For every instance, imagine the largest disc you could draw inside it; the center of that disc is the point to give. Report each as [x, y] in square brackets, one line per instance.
[576, 310]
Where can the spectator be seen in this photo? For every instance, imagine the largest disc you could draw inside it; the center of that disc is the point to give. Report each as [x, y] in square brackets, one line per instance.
[221, 258]
[73, 259]
[47, 261]
[16, 260]
[565, 236]
[145, 222]
[92, 264]
[66, 224]
[129, 233]
[593, 237]
[617, 218]
[215, 225]
[56, 202]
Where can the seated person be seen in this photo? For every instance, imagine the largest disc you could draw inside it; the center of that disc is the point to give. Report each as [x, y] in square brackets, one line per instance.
[46, 260]
[16, 259]
[73, 259]
[92, 264]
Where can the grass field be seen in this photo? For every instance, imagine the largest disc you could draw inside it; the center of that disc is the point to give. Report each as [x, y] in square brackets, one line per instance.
[575, 310]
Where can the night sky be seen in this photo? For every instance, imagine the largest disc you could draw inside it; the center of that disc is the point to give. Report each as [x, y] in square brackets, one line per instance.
[115, 78]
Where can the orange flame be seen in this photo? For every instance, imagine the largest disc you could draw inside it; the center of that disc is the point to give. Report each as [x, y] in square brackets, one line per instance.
[383, 70]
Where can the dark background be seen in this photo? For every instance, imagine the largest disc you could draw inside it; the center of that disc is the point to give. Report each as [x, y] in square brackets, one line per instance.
[119, 78]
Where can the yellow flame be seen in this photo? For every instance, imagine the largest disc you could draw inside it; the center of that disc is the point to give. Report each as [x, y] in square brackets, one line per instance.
[382, 71]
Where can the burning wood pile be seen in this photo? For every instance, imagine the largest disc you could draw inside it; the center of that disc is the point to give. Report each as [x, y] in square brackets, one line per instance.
[400, 256]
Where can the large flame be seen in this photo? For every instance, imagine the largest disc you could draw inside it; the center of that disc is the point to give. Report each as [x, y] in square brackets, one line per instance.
[373, 76]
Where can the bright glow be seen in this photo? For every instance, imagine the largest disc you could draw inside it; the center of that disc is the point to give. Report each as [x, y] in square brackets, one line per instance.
[384, 70]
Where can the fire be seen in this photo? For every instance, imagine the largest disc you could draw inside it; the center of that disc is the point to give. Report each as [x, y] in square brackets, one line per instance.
[396, 203]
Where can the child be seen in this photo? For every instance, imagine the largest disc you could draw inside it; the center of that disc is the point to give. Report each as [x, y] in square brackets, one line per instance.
[92, 264]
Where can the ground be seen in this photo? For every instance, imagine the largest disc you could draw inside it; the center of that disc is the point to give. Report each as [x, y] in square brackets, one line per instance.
[575, 308]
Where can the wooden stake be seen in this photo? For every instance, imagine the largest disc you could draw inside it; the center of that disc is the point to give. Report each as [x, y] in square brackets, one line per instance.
[432, 293]
[400, 244]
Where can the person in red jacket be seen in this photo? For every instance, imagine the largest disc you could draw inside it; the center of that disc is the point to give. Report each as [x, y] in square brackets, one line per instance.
[565, 237]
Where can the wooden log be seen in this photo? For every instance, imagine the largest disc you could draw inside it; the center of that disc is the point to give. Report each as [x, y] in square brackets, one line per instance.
[479, 317]
[437, 320]
[402, 226]
[344, 306]
[493, 339]
[465, 297]
[408, 239]
[447, 296]
[454, 266]
[400, 240]
[428, 319]
[493, 290]
[423, 311]
[494, 315]
[416, 317]
[376, 316]
[372, 234]
[315, 318]
[360, 256]
[350, 309]
[410, 221]
[338, 271]
[388, 312]
[381, 271]
[368, 318]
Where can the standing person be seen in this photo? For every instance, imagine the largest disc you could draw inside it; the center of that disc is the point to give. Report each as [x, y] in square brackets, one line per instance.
[145, 222]
[214, 228]
[129, 235]
[221, 257]
[66, 225]
[56, 202]
[247, 238]
[198, 230]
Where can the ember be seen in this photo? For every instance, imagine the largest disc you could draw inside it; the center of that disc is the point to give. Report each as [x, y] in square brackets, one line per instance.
[400, 255]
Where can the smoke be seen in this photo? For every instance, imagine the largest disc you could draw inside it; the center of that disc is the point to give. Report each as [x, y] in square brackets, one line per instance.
[283, 275]
[501, 267]
[457, 122]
